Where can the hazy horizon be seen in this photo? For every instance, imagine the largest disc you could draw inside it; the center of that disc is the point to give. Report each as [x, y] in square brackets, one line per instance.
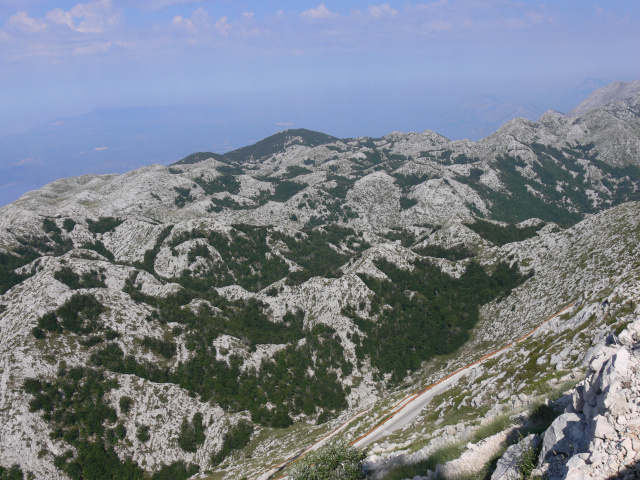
[347, 69]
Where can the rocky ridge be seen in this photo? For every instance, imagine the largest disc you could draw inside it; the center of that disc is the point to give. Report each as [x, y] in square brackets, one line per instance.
[271, 262]
[594, 423]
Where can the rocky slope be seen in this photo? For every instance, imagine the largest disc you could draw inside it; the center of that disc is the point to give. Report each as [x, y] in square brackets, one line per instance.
[216, 315]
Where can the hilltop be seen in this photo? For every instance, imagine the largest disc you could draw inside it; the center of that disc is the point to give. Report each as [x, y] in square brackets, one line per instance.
[219, 314]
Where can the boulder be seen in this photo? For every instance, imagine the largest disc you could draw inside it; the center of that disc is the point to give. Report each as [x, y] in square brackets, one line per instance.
[509, 465]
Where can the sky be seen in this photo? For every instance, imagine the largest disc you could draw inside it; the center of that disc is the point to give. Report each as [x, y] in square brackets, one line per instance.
[63, 58]
[105, 86]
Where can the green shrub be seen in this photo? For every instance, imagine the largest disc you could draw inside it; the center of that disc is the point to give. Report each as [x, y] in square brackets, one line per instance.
[192, 433]
[235, 439]
[143, 433]
[125, 404]
[165, 348]
[501, 235]
[99, 247]
[90, 279]
[49, 226]
[440, 456]
[453, 254]
[176, 471]
[496, 425]
[103, 224]
[13, 473]
[336, 460]
[406, 203]
[68, 224]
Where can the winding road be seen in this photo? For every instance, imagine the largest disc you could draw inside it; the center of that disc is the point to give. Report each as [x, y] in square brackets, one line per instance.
[406, 410]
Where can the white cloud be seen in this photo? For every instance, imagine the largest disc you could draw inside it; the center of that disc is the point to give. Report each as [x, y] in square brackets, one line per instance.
[95, 17]
[162, 4]
[380, 11]
[432, 5]
[23, 22]
[99, 149]
[29, 161]
[223, 26]
[199, 21]
[318, 13]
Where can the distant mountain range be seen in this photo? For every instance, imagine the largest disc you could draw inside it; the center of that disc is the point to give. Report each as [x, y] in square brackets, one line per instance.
[119, 140]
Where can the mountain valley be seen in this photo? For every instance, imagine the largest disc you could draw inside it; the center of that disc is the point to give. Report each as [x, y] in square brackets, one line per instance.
[217, 317]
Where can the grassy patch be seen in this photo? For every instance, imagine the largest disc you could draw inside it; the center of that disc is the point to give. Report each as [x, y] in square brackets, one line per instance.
[497, 425]
[441, 456]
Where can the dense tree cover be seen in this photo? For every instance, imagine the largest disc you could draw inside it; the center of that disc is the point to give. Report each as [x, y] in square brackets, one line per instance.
[286, 189]
[406, 202]
[295, 171]
[80, 315]
[49, 226]
[74, 404]
[501, 235]
[13, 473]
[90, 279]
[103, 224]
[143, 434]
[125, 404]
[372, 158]
[99, 247]
[165, 348]
[226, 182]
[192, 433]
[197, 158]
[53, 242]
[219, 204]
[406, 237]
[176, 471]
[462, 159]
[332, 209]
[424, 312]
[285, 380]
[343, 185]
[556, 166]
[335, 461]
[459, 252]
[246, 261]
[315, 251]
[68, 224]
[276, 143]
[236, 438]
[519, 203]
[230, 169]
[11, 261]
[406, 182]
[184, 196]
[562, 181]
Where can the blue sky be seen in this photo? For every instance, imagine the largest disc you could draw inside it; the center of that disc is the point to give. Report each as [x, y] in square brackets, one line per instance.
[62, 58]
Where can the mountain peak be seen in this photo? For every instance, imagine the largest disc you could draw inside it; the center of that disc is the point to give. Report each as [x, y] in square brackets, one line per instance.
[614, 92]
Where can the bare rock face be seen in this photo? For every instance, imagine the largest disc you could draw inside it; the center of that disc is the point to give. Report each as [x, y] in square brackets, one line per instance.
[508, 466]
[614, 92]
[599, 436]
[257, 288]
